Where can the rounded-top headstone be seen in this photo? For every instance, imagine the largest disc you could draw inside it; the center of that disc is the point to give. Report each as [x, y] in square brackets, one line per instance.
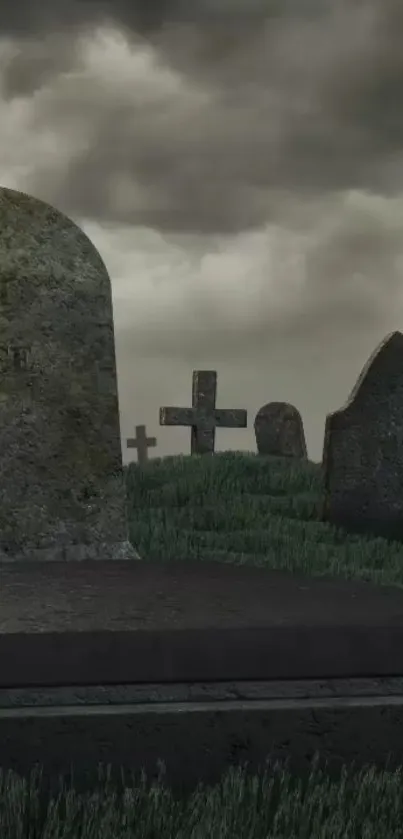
[279, 431]
[61, 480]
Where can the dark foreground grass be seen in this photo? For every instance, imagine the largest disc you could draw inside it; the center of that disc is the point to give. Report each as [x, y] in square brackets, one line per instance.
[361, 805]
[244, 508]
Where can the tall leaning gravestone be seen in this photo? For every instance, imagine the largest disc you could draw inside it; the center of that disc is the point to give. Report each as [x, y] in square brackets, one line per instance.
[363, 449]
[62, 492]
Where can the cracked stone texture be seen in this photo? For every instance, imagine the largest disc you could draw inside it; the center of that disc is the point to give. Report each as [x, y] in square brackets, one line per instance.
[187, 692]
[62, 492]
[363, 451]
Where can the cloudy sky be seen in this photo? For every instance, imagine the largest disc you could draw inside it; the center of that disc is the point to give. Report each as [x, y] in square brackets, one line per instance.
[239, 166]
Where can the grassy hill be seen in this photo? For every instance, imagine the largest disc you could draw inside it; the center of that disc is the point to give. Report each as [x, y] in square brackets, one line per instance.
[244, 508]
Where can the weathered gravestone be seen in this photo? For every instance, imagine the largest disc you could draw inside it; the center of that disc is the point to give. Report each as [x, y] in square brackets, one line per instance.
[279, 431]
[363, 449]
[203, 417]
[142, 443]
[62, 493]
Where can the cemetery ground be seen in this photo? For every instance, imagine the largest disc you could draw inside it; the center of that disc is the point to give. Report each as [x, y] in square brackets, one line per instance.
[244, 509]
[247, 509]
[105, 659]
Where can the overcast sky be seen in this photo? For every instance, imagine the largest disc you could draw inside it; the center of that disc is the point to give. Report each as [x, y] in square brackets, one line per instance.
[240, 170]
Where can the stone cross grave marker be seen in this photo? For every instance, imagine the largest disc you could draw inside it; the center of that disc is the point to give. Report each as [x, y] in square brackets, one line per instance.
[279, 431]
[203, 417]
[62, 493]
[142, 443]
[363, 449]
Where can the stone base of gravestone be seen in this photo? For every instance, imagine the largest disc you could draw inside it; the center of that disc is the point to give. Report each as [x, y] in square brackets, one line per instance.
[62, 491]
[279, 431]
[101, 552]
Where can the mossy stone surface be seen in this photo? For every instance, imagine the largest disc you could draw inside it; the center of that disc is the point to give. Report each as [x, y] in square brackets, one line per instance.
[61, 487]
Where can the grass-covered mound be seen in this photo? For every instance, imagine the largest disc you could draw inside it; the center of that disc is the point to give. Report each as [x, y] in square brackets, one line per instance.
[274, 805]
[244, 508]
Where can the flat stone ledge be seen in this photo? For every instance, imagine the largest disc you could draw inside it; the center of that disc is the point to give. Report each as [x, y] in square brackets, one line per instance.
[102, 551]
[145, 595]
[328, 689]
[111, 623]
[198, 741]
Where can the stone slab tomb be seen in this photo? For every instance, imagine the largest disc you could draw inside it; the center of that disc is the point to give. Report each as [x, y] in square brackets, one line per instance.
[175, 622]
[363, 449]
[61, 487]
[279, 431]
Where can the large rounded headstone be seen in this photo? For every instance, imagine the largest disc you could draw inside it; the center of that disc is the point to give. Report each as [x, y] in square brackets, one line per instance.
[61, 481]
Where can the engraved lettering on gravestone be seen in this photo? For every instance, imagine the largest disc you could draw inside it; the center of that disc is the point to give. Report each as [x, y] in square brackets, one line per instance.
[19, 376]
[363, 449]
[62, 492]
[20, 357]
[4, 294]
[103, 374]
[203, 417]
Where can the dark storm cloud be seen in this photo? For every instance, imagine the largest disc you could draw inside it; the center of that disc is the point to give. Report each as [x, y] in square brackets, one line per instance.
[33, 20]
[36, 17]
[239, 166]
[302, 102]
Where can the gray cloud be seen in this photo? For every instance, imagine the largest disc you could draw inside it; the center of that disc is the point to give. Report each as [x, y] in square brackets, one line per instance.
[240, 171]
[36, 17]
[298, 104]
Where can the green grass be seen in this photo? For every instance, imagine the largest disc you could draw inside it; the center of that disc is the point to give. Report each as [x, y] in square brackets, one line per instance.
[242, 508]
[358, 805]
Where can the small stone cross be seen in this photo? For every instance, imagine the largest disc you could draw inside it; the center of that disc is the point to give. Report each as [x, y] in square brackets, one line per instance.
[142, 443]
[203, 417]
